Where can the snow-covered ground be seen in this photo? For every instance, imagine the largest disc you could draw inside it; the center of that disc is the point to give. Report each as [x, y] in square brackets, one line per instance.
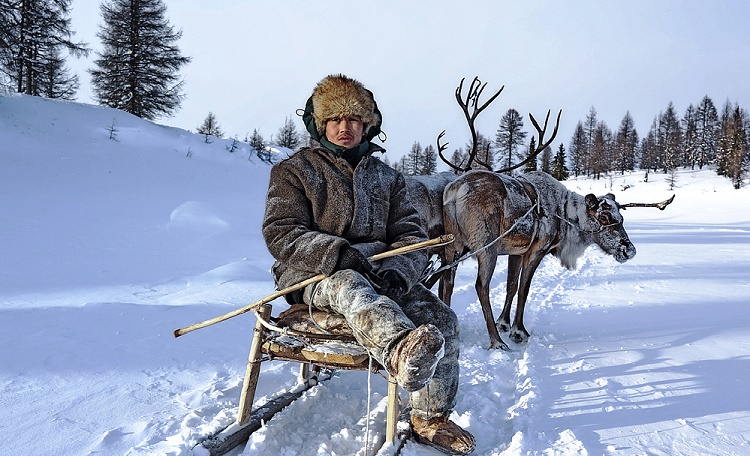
[108, 245]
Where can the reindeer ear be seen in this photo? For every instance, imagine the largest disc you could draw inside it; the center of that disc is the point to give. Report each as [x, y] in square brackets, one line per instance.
[610, 196]
[591, 201]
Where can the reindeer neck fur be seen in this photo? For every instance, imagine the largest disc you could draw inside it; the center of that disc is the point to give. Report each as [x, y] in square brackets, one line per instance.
[575, 238]
[565, 214]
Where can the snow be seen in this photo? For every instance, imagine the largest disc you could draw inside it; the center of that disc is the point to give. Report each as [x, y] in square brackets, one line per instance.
[108, 245]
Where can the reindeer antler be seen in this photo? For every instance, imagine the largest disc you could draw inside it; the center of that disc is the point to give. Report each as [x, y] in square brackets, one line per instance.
[472, 100]
[541, 145]
[661, 205]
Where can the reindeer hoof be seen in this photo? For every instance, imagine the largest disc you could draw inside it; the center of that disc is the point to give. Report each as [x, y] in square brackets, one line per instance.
[502, 326]
[519, 336]
[499, 344]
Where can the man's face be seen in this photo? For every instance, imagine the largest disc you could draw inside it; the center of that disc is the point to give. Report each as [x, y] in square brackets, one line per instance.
[345, 131]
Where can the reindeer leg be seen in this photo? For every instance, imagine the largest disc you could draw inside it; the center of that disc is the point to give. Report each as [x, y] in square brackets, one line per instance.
[511, 288]
[518, 332]
[487, 261]
[447, 279]
[432, 280]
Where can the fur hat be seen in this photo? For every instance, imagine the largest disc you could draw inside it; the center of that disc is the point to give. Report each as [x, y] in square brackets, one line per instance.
[340, 96]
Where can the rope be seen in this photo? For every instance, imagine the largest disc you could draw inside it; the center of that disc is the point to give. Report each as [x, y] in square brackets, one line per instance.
[602, 227]
[369, 392]
[471, 254]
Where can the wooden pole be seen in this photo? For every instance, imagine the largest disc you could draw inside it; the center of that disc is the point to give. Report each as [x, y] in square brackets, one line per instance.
[440, 240]
[392, 411]
[253, 369]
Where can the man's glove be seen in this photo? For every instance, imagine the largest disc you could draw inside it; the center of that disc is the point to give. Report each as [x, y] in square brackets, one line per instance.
[392, 285]
[351, 258]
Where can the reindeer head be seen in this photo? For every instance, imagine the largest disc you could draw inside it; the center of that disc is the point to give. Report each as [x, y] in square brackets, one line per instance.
[604, 223]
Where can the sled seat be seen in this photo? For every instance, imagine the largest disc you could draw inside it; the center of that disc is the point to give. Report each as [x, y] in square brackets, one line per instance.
[326, 342]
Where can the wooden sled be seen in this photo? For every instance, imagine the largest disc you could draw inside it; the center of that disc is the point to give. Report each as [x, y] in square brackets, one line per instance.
[320, 342]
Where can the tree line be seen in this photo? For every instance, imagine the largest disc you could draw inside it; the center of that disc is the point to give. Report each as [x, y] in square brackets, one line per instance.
[138, 68]
[702, 136]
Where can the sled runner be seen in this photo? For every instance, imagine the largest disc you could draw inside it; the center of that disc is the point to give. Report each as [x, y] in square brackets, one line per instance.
[321, 342]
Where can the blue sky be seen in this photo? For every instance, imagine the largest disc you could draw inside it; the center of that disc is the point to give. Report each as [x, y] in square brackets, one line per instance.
[256, 62]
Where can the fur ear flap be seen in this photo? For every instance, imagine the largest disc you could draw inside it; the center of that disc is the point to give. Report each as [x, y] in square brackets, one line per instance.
[592, 202]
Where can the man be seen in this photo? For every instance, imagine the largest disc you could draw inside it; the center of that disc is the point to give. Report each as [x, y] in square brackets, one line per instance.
[329, 208]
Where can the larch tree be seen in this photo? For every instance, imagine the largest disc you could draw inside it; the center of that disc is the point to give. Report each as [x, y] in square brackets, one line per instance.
[531, 165]
[545, 160]
[559, 170]
[287, 135]
[258, 144]
[690, 137]
[33, 36]
[590, 128]
[459, 157]
[600, 158]
[429, 161]
[210, 127]
[670, 137]
[414, 160]
[510, 136]
[578, 149]
[707, 127]
[650, 147]
[138, 68]
[732, 158]
[626, 145]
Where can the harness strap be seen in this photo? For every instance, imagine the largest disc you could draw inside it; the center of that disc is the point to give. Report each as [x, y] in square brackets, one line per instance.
[471, 254]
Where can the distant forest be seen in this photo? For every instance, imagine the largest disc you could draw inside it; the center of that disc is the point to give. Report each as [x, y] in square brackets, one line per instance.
[138, 72]
[702, 136]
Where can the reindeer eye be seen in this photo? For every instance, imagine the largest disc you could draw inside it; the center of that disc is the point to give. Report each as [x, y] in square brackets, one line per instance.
[604, 219]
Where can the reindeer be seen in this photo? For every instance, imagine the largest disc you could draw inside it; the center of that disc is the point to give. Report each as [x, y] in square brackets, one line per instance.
[526, 218]
[426, 192]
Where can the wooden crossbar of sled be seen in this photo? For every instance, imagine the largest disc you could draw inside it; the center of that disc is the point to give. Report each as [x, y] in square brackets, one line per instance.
[326, 343]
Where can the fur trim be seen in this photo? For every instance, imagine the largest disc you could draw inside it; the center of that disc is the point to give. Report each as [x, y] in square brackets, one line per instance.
[340, 96]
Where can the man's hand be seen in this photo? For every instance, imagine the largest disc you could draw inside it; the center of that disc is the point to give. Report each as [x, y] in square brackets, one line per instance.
[351, 258]
[392, 285]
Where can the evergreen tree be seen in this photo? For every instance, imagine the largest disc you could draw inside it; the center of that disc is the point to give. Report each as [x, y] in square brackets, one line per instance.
[485, 157]
[707, 127]
[590, 127]
[429, 164]
[546, 160]
[210, 127]
[402, 165]
[414, 160]
[510, 137]
[690, 137]
[33, 36]
[287, 135]
[600, 150]
[732, 158]
[459, 158]
[650, 147]
[737, 160]
[724, 139]
[670, 137]
[559, 170]
[531, 165]
[626, 145]
[578, 149]
[138, 68]
[56, 82]
[258, 144]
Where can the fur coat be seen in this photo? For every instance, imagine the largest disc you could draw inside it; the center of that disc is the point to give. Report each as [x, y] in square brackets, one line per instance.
[317, 203]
